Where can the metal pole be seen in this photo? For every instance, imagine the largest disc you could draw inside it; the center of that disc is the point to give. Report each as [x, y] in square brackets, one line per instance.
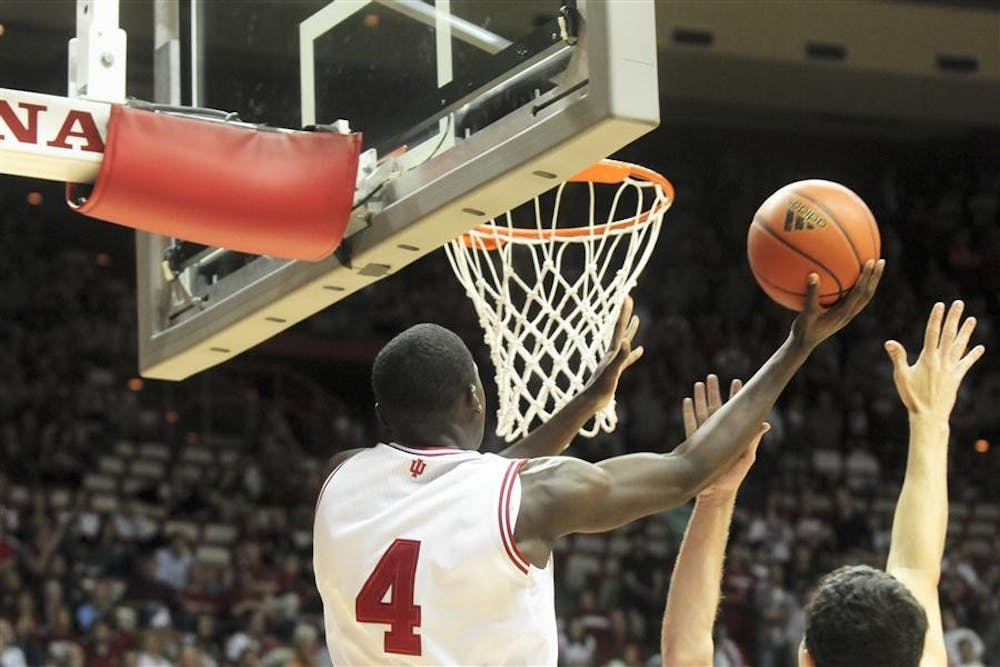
[166, 52]
[197, 52]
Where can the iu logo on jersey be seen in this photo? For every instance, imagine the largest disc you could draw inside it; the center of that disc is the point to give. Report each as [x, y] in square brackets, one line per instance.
[417, 468]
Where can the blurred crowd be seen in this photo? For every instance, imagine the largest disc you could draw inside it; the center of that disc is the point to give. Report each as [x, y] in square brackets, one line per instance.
[151, 524]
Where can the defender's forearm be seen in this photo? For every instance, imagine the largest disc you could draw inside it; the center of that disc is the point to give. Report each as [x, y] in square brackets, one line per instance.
[693, 601]
[920, 524]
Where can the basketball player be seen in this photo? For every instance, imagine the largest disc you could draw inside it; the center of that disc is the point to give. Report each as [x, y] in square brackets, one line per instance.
[427, 551]
[859, 615]
[694, 591]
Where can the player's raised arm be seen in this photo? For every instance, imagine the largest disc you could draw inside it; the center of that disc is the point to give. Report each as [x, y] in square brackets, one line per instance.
[928, 389]
[554, 436]
[564, 495]
[693, 600]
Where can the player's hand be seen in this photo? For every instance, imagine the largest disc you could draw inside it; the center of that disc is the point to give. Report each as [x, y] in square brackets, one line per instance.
[620, 355]
[930, 386]
[816, 323]
[696, 411]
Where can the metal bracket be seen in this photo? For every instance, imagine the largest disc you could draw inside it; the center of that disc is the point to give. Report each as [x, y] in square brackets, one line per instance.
[96, 68]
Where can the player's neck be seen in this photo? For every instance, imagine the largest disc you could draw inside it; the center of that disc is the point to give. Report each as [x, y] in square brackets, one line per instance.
[437, 436]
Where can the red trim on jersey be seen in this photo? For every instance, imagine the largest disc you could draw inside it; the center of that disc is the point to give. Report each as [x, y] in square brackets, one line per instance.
[426, 451]
[503, 517]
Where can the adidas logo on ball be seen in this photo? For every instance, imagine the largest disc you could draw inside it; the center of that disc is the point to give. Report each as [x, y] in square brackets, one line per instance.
[801, 217]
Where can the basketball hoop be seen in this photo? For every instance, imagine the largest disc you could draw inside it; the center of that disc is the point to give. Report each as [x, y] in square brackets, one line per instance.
[548, 292]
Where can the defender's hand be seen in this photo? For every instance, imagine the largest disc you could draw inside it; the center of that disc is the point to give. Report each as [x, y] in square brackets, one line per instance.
[619, 356]
[707, 400]
[816, 323]
[930, 386]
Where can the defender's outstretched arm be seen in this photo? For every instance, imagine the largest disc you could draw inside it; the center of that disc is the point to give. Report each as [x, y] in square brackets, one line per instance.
[928, 389]
[693, 599]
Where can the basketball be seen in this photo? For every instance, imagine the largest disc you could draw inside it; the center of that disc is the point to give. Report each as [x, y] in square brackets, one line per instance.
[812, 226]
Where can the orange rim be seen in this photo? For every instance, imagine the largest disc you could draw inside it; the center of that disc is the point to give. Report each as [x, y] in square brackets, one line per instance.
[606, 171]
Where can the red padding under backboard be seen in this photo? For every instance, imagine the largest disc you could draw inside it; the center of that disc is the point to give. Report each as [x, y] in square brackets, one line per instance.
[283, 194]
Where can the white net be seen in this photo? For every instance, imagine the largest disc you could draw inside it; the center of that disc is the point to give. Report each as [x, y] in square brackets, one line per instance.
[548, 289]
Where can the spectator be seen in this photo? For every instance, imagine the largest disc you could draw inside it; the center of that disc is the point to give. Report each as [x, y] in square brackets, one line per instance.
[173, 562]
[727, 652]
[8, 554]
[201, 596]
[154, 650]
[253, 640]
[52, 602]
[192, 656]
[737, 589]
[589, 615]
[775, 607]
[98, 606]
[31, 640]
[146, 591]
[206, 638]
[810, 528]
[851, 528]
[64, 650]
[630, 656]
[964, 646]
[131, 527]
[772, 530]
[644, 586]
[577, 647]
[861, 468]
[826, 428]
[991, 636]
[11, 654]
[307, 649]
[101, 648]
[969, 653]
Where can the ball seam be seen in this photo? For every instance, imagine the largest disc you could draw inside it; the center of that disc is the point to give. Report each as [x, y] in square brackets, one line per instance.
[833, 219]
[840, 286]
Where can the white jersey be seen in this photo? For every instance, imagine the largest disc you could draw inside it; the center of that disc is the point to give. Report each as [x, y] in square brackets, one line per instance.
[415, 558]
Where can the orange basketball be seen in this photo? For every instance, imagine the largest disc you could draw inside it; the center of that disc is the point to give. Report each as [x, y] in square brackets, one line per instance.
[808, 227]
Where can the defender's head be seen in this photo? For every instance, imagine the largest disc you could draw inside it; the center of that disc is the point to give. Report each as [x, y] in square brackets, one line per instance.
[863, 616]
[427, 389]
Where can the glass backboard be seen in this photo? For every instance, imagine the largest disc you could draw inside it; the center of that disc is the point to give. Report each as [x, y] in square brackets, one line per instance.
[467, 107]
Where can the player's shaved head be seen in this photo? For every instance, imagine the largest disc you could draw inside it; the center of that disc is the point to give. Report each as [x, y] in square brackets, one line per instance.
[863, 616]
[421, 373]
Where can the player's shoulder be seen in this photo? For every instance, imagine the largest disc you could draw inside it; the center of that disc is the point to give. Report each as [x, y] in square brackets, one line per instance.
[340, 457]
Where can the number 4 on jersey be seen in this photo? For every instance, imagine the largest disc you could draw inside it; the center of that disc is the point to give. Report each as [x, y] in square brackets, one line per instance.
[396, 570]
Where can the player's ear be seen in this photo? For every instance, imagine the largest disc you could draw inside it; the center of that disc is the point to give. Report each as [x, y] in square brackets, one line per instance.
[805, 657]
[379, 416]
[475, 400]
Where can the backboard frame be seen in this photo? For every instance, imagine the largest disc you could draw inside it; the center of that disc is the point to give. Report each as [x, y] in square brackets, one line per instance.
[608, 98]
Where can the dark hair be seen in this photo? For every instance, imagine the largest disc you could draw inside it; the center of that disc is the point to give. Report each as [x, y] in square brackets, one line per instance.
[422, 371]
[863, 616]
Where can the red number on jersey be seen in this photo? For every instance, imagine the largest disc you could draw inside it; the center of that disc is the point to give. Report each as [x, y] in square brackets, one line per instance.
[396, 570]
